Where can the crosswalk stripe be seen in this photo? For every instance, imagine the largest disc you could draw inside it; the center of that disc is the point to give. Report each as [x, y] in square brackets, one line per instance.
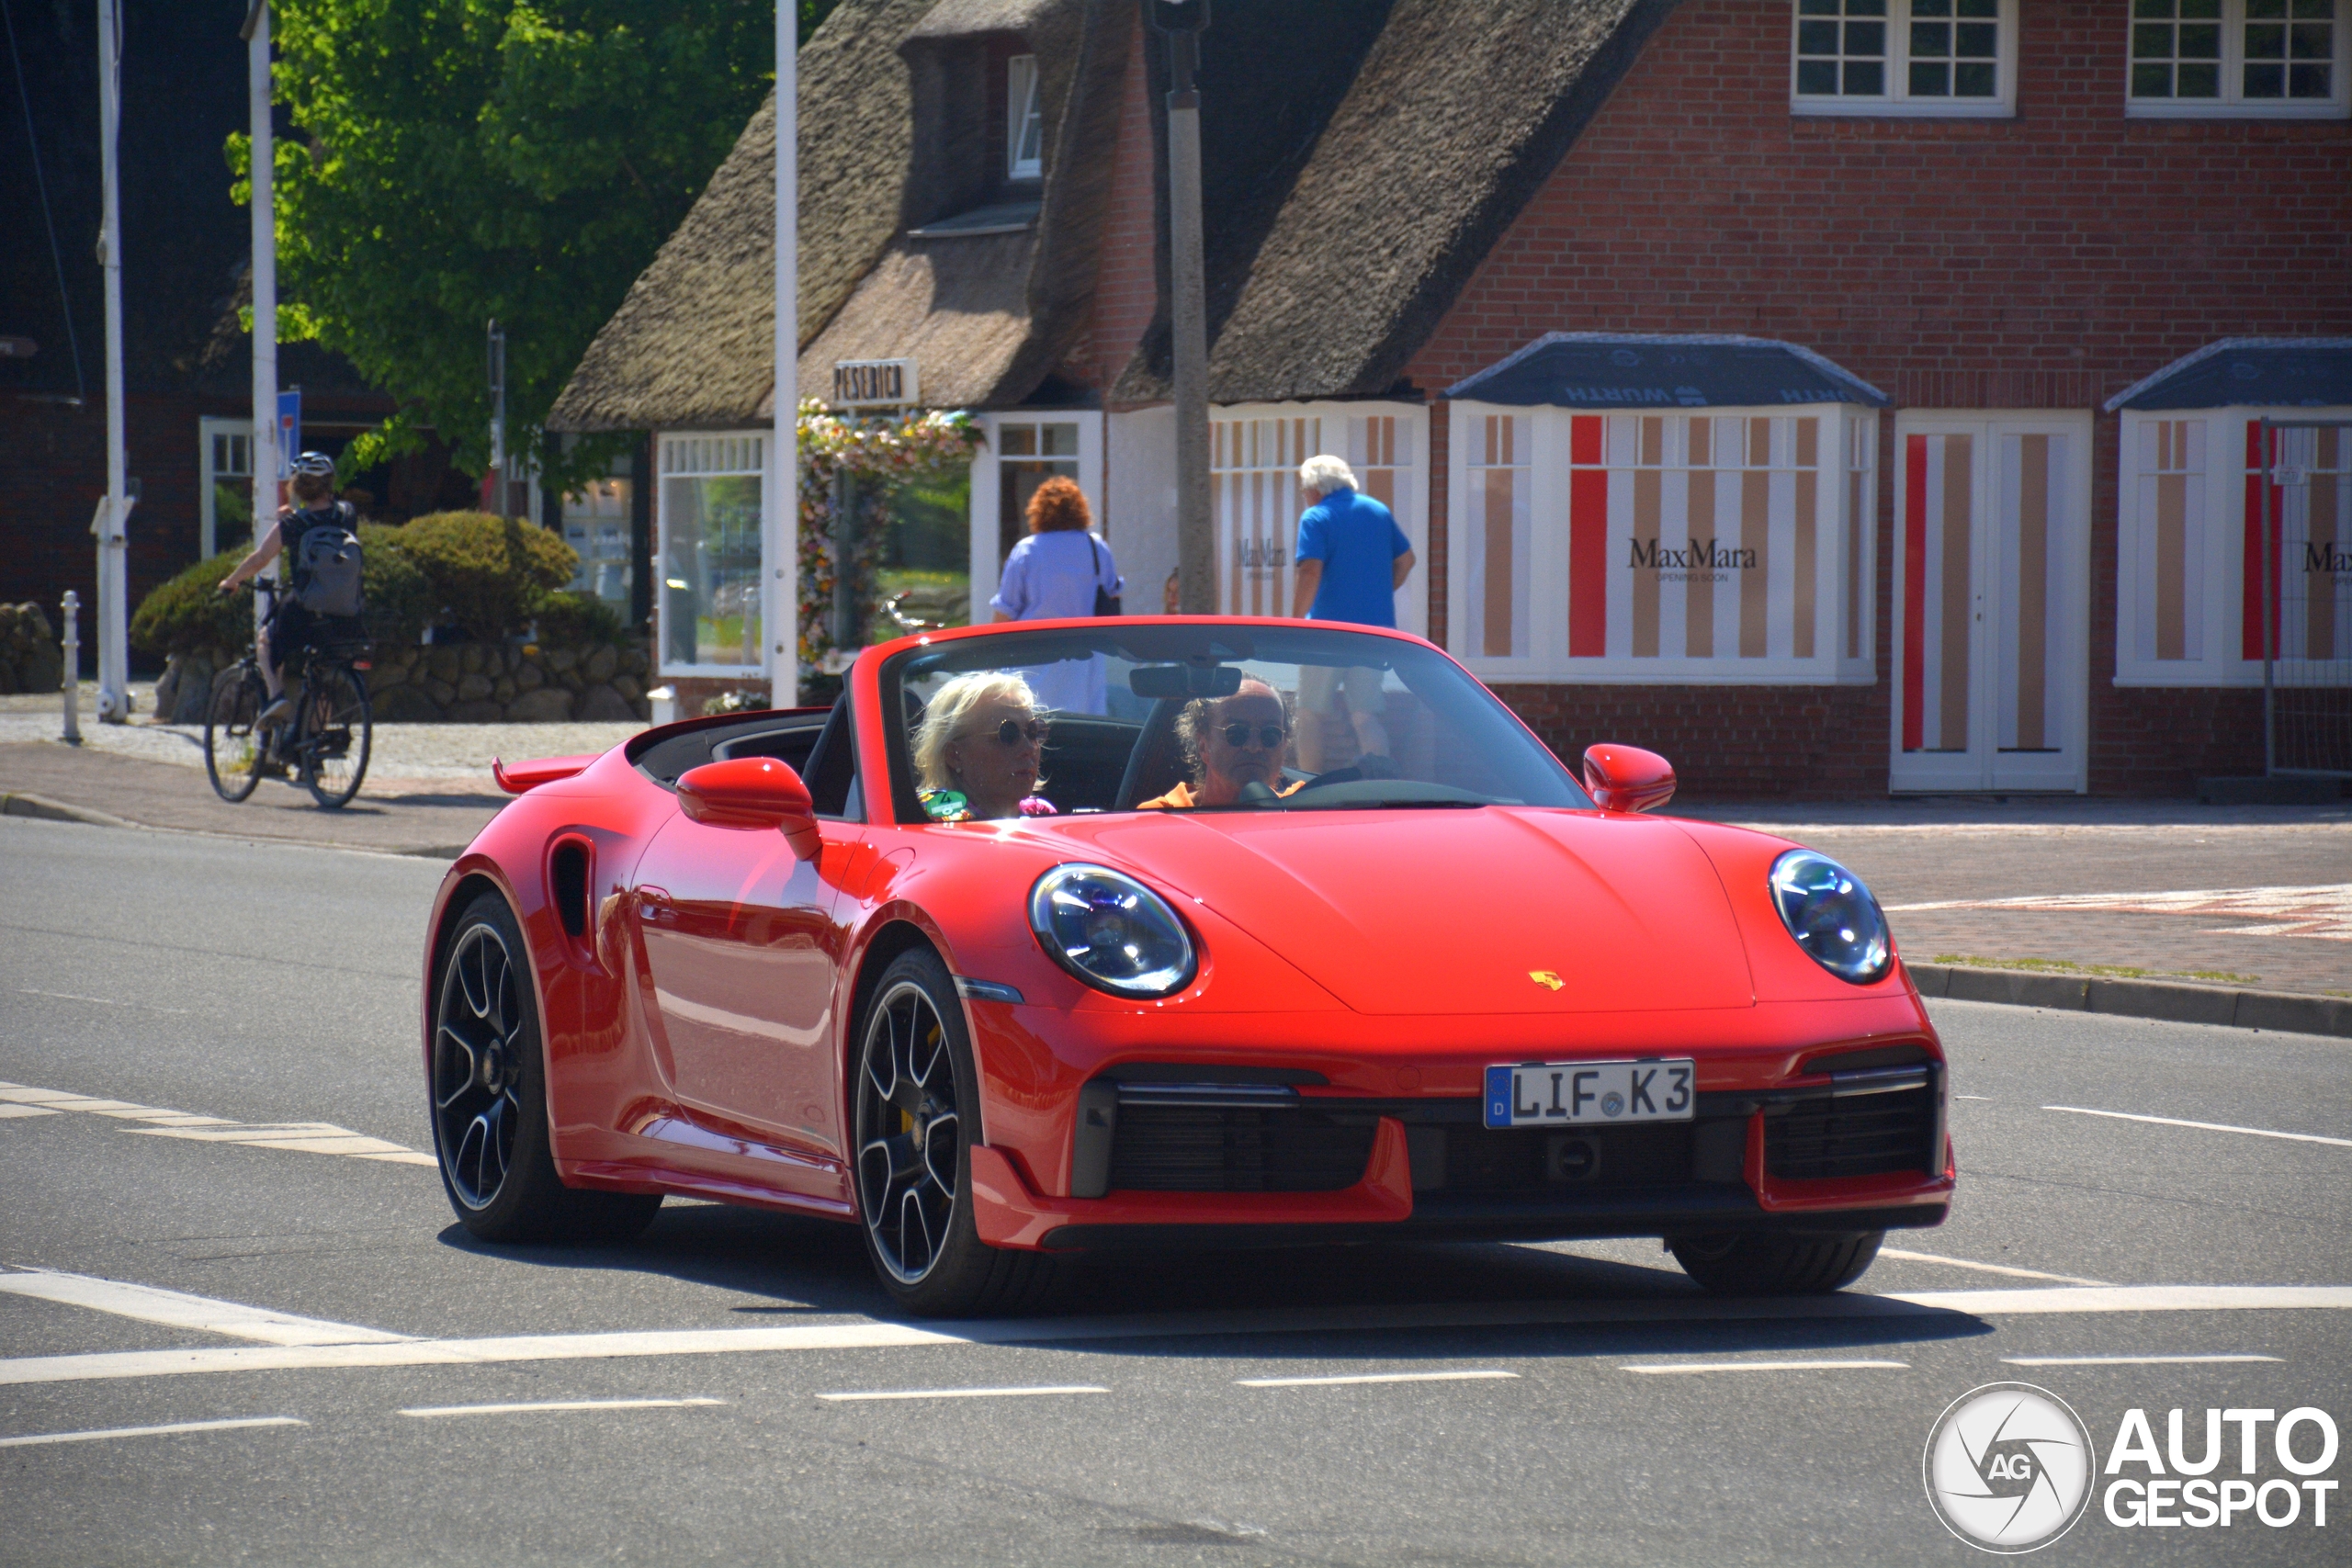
[178, 1310]
[302, 1137]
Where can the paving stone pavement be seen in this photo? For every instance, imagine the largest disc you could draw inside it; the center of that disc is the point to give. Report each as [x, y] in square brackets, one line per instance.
[1943, 866]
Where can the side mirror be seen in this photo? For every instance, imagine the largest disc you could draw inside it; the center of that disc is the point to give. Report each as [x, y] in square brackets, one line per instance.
[752, 792]
[1626, 778]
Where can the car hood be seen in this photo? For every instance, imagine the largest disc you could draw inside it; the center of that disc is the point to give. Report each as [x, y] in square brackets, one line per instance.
[1459, 911]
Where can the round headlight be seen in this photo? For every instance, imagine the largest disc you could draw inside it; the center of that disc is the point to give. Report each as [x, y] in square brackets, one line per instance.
[1112, 931]
[1832, 916]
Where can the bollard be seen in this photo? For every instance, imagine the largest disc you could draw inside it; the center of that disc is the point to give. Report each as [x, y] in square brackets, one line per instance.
[71, 685]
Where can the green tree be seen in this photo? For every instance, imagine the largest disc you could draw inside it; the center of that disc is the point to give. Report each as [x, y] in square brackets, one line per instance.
[457, 161]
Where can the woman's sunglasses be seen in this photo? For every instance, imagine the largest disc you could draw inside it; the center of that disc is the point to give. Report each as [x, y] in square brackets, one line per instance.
[1269, 735]
[1011, 732]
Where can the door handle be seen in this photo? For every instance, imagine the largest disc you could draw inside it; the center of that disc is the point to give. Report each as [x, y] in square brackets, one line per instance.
[653, 903]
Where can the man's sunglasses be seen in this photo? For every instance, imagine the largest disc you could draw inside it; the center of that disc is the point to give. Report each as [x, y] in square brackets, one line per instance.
[1269, 735]
[1010, 732]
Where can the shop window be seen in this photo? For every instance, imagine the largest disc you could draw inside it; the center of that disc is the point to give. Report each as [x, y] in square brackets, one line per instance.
[2189, 573]
[2239, 58]
[1909, 57]
[596, 526]
[1028, 455]
[1731, 545]
[709, 552]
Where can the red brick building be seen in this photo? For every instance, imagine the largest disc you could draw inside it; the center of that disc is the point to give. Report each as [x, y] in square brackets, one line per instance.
[1781, 384]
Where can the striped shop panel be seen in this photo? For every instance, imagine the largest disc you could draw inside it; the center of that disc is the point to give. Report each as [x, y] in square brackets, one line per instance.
[1939, 515]
[1499, 534]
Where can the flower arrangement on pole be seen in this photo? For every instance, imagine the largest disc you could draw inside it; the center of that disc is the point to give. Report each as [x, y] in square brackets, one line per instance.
[881, 453]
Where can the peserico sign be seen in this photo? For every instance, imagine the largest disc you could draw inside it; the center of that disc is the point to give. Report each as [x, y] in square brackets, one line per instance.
[874, 383]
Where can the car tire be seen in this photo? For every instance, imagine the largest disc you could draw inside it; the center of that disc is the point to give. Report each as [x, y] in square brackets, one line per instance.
[1738, 1265]
[915, 1109]
[486, 1096]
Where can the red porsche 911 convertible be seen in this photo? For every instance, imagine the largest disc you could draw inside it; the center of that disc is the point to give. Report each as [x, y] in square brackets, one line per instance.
[1066, 937]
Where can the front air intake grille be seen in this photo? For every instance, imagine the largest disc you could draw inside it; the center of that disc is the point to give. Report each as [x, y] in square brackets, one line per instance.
[1872, 1135]
[1502, 1161]
[1168, 1148]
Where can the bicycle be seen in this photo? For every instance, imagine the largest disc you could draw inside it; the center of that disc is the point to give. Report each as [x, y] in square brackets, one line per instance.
[325, 743]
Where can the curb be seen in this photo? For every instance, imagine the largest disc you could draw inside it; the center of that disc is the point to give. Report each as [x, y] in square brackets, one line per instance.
[41, 806]
[2171, 1000]
[23, 803]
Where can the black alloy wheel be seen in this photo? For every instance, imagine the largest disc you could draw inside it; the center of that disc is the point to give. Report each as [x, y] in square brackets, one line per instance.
[917, 1098]
[489, 1097]
[232, 745]
[1766, 1265]
[338, 730]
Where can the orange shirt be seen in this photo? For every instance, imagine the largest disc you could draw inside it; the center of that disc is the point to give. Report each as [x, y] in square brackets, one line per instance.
[1181, 798]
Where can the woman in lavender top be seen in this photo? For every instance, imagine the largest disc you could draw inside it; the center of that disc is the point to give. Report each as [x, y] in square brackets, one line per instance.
[1053, 575]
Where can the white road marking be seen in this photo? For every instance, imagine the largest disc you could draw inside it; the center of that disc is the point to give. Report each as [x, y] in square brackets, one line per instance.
[967, 1392]
[303, 1138]
[2204, 1126]
[1370, 1377]
[2128, 1361]
[149, 1304]
[102, 1001]
[869, 1335]
[430, 1410]
[171, 1430]
[1669, 1368]
[1983, 1268]
[1984, 1096]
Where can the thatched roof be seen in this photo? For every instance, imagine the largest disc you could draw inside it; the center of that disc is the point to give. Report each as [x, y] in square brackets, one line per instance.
[1350, 189]
[693, 342]
[1456, 115]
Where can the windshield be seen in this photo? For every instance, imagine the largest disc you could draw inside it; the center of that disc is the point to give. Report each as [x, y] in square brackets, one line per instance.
[1202, 718]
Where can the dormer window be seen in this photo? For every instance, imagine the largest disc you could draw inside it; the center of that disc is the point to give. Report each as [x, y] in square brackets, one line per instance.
[1025, 129]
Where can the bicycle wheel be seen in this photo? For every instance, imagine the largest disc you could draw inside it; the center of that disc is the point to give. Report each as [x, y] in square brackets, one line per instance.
[232, 752]
[336, 729]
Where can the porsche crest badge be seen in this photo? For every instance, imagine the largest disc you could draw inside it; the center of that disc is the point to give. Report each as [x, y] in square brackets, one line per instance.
[1546, 977]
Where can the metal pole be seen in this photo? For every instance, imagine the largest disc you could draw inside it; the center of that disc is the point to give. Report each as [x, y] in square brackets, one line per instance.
[780, 520]
[1188, 315]
[496, 480]
[2270, 612]
[845, 632]
[71, 685]
[114, 652]
[267, 461]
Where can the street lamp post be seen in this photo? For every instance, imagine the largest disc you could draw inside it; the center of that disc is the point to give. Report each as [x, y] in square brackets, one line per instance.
[114, 643]
[780, 532]
[1182, 21]
[267, 460]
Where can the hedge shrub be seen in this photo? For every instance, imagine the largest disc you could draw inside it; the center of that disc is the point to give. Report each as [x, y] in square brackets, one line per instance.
[190, 614]
[490, 574]
[580, 620]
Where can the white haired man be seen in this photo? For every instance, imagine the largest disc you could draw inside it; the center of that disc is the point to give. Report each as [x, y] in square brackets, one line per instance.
[1351, 557]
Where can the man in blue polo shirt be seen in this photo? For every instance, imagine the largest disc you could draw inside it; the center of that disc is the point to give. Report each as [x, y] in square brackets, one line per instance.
[1351, 558]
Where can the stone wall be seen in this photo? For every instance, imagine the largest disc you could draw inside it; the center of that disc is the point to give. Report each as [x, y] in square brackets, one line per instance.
[30, 659]
[462, 683]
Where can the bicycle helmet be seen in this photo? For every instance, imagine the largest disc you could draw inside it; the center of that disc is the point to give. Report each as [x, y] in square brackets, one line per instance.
[318, 465]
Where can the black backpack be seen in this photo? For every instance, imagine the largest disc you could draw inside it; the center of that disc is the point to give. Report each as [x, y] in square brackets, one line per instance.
[326, 568]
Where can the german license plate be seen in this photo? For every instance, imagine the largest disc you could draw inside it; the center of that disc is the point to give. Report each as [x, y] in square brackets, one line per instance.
[1532, 1094]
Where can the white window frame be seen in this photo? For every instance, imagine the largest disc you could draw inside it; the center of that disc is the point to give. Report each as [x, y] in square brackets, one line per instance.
[753, 449]
[1021, 109]
[2218, 571]
[988, 504]
[1848, 436]
[1897, 100]
[2232, 104]
[207, 528]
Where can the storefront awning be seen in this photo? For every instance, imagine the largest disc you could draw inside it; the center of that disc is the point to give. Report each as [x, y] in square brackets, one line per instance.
[2250, 372]
[1619, 370]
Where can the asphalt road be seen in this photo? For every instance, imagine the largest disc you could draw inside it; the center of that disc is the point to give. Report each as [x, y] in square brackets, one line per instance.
[1528, 1405]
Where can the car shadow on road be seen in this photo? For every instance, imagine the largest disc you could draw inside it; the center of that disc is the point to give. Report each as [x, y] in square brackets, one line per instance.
[1398, 1300]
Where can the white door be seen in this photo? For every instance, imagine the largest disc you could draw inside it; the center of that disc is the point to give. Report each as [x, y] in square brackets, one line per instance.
[1992, 573]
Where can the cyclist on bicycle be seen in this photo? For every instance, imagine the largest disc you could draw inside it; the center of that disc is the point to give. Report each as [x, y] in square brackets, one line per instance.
[290, 622]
